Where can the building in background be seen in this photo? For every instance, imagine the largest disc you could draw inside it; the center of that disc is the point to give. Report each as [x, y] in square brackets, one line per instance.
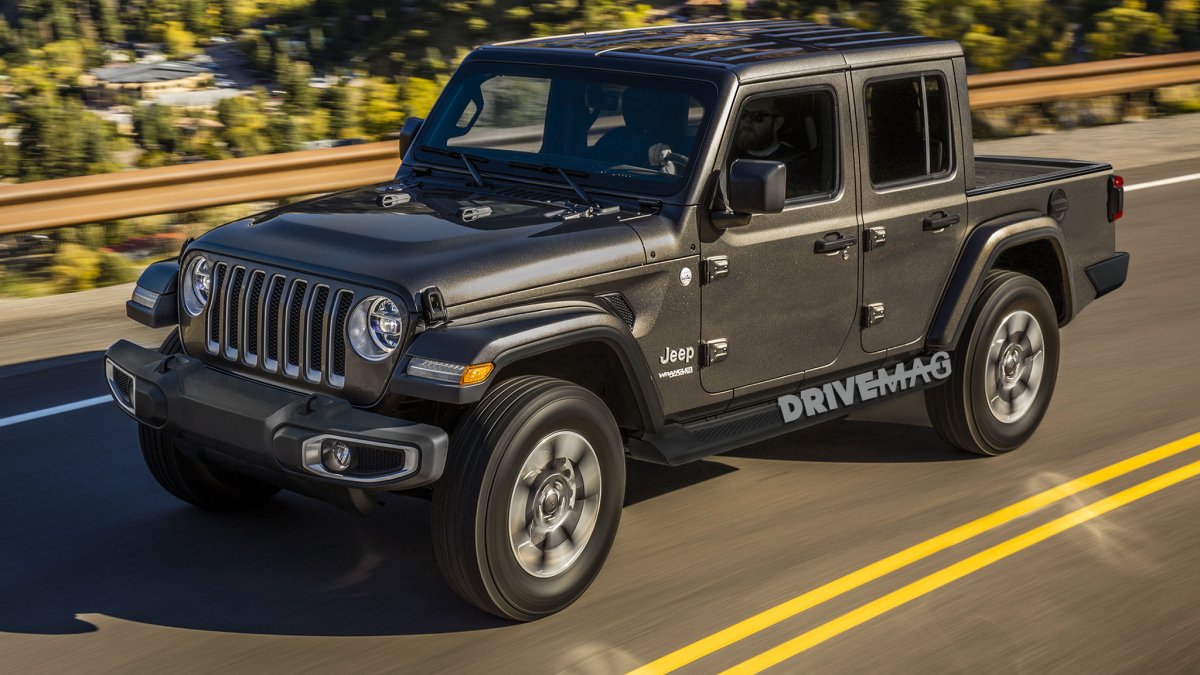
[146, 81]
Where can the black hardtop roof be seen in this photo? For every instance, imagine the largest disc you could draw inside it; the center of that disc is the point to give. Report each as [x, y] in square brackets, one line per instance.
[751, 47]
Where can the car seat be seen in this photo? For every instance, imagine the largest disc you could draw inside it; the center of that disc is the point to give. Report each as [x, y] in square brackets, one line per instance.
[651, 116]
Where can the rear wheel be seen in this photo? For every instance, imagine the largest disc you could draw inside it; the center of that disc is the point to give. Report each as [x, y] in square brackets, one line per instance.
[528, 506]
[194, 480]
[1003, 372]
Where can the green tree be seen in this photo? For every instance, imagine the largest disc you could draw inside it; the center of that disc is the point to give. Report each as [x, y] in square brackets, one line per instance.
[75, 268]
[419, 95]
[293, 77]
[788, 9]
[10, 162]
[64, 61]
[154, 128]
[62, 20]
[1184, 17]
[98, 142]
[996, 34]
[232, 17]
[245, 130]
[111, 29]
[52, 141]
[283, 132]
[315, 125]
[1129, 28]
[8, 40]
[381, 108]
[344, 113]
[178, 41]
[195, 16]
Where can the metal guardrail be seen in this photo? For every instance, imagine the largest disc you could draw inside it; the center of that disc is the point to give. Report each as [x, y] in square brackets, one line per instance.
[90, 199]
[1082, 80]
[187, 187]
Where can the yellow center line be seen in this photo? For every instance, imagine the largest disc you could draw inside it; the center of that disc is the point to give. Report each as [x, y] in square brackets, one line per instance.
[767, 618]
[960, 569]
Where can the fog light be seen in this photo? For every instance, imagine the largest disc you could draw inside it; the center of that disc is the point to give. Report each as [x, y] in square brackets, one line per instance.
[336, 456]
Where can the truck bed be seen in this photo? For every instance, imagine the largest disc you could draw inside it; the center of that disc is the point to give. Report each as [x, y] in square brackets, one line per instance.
[1008, 187]
[998, 172]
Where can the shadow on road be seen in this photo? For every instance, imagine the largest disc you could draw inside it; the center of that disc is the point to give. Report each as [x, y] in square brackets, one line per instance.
[645, 481]
[857, 441]
[292, 568]
[85, 530]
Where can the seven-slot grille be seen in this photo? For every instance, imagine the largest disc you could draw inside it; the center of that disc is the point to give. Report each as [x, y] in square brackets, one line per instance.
[279, 324]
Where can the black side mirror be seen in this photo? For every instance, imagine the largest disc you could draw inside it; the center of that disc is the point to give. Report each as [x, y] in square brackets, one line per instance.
[757, 186]
[408, 132]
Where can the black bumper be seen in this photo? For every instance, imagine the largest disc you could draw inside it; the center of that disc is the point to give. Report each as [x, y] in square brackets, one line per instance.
[273, 431]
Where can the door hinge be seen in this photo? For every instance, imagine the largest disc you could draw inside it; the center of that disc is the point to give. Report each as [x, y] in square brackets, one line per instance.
[714, 350]
[715, 267]
[876, 237]
[872, 314]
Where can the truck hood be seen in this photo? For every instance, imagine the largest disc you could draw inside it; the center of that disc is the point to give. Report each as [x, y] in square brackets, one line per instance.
[471, 245]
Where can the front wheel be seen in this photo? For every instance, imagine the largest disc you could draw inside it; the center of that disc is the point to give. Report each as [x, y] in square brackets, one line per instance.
[528, 506]
[1003, 372]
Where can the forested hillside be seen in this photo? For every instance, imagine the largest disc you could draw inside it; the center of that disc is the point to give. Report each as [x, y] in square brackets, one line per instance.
[336, 70]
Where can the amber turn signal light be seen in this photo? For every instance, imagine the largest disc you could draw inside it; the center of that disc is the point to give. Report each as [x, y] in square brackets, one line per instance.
[476, 373]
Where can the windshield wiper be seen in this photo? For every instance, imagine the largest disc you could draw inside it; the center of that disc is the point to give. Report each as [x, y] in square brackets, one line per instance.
[468, 161]
[566, 175]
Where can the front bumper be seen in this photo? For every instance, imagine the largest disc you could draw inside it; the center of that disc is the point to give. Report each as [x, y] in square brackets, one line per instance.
[272, 431]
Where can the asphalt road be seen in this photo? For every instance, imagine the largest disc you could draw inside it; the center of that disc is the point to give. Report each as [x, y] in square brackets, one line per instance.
[102, 571]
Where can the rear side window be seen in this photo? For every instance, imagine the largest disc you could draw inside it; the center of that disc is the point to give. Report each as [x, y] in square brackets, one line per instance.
[908, 127]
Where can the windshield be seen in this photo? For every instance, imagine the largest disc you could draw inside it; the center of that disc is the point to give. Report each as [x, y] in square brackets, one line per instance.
[612, 130]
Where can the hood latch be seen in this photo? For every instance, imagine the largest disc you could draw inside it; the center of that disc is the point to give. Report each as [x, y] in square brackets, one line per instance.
[433, 308]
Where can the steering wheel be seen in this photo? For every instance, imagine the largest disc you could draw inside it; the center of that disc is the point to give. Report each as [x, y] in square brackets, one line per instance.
[667, 160]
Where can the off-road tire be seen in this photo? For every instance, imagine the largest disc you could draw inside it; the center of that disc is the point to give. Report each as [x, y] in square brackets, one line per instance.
[491, 445]
[194, 480]
[958, 408]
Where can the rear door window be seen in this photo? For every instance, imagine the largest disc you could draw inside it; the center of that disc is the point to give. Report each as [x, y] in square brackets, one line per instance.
[908, 129]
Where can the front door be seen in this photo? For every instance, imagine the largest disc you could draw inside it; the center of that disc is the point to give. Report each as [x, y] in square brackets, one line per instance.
[782, 302]
[913, 197]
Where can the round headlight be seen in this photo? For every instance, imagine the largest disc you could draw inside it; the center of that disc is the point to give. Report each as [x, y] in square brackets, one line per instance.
[376, 328]
[197, 285]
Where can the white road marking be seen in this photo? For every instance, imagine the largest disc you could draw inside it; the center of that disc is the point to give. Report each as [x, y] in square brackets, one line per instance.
[1164, 181]
[47, 412]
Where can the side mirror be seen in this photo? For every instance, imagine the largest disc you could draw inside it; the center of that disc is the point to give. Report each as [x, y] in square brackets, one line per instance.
[408, 132]
[757, 186]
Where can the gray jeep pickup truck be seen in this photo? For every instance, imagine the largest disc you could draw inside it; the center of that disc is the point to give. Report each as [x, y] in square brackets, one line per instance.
[658, 244]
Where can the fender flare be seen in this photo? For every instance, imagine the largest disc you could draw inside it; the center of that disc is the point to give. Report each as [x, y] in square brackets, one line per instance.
[507, 336]
[979, 254]
[156, 305]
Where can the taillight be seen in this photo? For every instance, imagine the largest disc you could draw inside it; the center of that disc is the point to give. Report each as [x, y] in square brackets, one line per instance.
[1116, 197]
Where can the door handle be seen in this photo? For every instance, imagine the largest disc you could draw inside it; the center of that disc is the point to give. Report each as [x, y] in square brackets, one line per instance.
[939, 220]
[831, 245]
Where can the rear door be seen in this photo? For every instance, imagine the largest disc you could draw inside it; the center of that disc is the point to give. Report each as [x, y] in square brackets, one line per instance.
[780, 306]
[913, 196]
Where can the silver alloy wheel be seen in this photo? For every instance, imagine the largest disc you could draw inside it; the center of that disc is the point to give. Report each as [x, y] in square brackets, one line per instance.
[555, 503]
[1015, 363]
